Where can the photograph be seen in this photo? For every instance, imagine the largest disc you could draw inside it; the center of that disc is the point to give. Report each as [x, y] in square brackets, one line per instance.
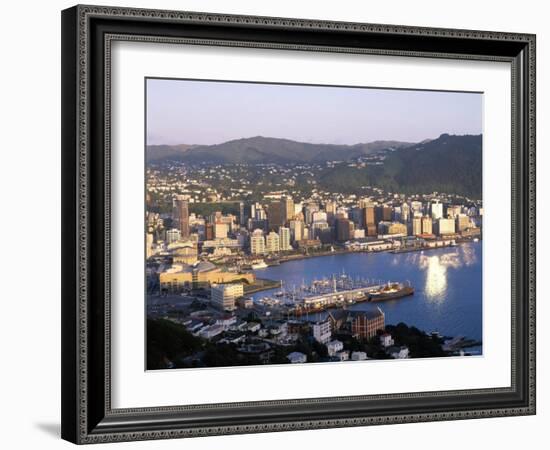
[301, 223]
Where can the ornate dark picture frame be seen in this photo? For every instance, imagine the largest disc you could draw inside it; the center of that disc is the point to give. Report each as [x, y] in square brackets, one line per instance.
[87, 34]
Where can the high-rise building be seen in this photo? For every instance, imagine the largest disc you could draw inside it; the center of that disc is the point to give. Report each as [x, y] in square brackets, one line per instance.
[272, 243]
[275, 215]
[446, 226]
[284, 239]
[208, 231]
[383, 214]
[344, 229]
[296, 230]
[405, 212]
[257, 242]
[182, 215]
[309, 210]
[365, 324]
[416, 226]
[288, 209]
[369, 220]
[223, 296]
[221, 230]
[462, 222]
[437, 210]
[427, 225]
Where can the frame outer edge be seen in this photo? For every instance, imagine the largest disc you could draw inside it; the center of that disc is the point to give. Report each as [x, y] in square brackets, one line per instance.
[75, 183]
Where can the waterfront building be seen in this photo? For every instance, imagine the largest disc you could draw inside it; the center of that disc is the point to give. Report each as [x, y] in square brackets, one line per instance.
[446, 226]
[359, 234]
[223, 296]
[181, 215]
[322, 331]
[272, 243]
[417, 226]
[201, 274]
[427, 225]
[365, 324]
[173, 235]
[462, 222]
[257, 242]
[437, 210]
[392, 228]
[284, 239]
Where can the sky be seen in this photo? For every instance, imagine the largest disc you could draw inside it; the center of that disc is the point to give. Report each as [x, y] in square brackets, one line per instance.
[212, 112]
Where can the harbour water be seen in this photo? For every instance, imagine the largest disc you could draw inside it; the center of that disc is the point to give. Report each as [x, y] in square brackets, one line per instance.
[447, 283]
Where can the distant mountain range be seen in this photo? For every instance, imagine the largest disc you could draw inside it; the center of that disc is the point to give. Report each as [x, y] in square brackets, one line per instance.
[265, 150]
[449, 163]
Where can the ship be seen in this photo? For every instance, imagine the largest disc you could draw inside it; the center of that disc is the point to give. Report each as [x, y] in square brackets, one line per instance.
[258, 265]
[391, 291]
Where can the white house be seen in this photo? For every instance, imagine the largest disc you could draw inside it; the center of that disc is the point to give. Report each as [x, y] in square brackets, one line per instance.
[334, 347]
[386, 340]
[399, 352]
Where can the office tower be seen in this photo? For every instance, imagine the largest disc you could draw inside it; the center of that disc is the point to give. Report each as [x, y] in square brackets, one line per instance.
[369, 221]
[275, 215]
[257, 242]
[209, 231]
[287, 209]
[446, 226]
[296, 230]
[405, 212]
[437, 210]
[182, 215]
[284, 238]
[462, 222]
[309, 210]
[427, 225]
[272, 242]
[417, 226]
[344, 229]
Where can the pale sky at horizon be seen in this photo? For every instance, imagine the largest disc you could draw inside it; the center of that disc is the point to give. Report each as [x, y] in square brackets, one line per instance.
[206, 112]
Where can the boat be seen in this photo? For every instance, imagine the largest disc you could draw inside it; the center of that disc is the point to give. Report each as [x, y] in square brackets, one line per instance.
[258, 265]
[390, 292]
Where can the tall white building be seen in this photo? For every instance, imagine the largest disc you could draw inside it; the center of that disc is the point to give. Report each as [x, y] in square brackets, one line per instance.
[223, 296]
[257, 242]
[284, 238]
[272, 243]
[296, 230]
[322, 331]
[437, 211]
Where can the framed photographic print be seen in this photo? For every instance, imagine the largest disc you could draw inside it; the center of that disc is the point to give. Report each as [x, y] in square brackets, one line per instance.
[281, 224]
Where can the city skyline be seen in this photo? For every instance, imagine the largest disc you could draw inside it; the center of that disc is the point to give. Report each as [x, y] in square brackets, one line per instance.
[195, 112]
